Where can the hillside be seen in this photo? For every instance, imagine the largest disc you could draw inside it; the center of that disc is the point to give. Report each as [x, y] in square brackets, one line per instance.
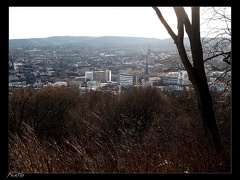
[105, 41]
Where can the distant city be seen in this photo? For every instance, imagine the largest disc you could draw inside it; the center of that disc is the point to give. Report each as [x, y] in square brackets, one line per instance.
[113, 64]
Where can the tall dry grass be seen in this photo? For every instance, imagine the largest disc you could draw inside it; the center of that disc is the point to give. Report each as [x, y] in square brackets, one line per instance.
[94, 139]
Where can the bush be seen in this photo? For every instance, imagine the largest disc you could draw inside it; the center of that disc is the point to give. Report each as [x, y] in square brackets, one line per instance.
[137, 131]
[45, 109]
[134, 112]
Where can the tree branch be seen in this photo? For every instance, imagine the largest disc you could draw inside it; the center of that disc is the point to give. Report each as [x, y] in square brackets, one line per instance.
[163, 21]
[181, 12]
[225, 59]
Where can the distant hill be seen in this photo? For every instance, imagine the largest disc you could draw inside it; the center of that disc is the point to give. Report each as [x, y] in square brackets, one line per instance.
[104, 41]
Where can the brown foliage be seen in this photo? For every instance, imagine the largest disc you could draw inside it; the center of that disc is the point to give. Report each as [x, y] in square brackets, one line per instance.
[98, 132]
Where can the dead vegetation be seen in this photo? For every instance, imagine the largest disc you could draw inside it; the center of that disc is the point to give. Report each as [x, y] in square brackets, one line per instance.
[56, 130]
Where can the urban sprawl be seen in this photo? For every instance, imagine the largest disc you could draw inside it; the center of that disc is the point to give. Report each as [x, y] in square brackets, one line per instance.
[109, 69]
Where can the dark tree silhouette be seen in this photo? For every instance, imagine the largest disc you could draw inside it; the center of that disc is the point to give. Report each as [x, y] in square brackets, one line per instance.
[195, 67]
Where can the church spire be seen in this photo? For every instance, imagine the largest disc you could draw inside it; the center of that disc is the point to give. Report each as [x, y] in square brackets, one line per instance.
[146, 80]
[146, 75]
[149, 51]
[146, 68]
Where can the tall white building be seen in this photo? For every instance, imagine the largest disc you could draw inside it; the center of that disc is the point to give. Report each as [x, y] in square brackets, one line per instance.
[102, 76]
[89, 76]
[183, 78]
[175, 80]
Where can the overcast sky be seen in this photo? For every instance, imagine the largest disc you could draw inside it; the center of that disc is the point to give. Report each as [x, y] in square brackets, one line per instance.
[41, 22]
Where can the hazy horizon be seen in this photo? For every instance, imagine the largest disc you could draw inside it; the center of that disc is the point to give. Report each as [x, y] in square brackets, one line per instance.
[87, 36]
[44, 22]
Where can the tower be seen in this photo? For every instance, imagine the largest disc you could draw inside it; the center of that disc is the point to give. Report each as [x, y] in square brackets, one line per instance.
[145, 81]
[146, 75]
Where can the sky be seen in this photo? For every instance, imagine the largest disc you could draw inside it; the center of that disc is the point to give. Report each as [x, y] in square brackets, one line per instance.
[42, 22]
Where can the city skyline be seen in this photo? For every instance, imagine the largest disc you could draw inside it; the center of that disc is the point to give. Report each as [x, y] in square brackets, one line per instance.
[43, 22]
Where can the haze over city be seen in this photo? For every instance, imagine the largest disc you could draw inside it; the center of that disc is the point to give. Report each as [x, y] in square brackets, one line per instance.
[42, 22]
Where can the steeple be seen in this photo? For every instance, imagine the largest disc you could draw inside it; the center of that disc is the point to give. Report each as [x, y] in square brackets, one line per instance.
[146, 68]
[145, 81]
[146, 75]
[149, 51]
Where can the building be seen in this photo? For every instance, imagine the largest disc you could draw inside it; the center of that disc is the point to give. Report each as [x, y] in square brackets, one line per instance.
[174, 81]
[146, 81]
[89, 76]
[126, 79]
[102, 76]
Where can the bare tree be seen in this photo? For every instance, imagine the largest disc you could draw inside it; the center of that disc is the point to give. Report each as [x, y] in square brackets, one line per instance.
[216, 43]
[194, 66]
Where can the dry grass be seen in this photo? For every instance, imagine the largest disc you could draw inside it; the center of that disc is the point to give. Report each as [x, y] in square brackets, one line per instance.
[29, 155]
[174, 143]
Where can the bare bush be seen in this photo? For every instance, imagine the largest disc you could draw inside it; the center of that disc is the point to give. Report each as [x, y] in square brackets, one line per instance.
[100, 134]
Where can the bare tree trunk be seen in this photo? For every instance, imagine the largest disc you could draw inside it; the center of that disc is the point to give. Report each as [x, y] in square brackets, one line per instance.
[195, 69]
[205, 107]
